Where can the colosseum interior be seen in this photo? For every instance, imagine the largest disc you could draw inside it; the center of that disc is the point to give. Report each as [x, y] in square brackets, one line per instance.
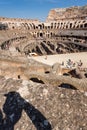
[59, 34]
[63, 32]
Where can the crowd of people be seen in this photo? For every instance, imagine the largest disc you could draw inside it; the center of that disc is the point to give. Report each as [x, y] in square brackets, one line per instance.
[71, 64]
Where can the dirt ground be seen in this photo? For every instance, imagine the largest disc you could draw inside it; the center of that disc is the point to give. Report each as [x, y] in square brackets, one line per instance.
[51, 59]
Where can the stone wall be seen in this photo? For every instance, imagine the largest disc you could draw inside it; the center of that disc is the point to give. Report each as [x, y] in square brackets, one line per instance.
[69, 13]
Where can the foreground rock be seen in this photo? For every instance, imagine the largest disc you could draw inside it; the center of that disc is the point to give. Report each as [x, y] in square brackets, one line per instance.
[41, 107]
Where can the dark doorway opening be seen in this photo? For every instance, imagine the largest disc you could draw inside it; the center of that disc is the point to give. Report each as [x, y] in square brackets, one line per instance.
[37, 80]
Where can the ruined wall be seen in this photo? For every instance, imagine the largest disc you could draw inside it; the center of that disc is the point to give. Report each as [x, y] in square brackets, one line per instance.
[75, 12]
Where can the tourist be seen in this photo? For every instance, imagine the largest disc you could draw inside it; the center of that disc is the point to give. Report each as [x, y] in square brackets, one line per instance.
[80, 63]
[62, 63]
[46, 57]
[69, 63]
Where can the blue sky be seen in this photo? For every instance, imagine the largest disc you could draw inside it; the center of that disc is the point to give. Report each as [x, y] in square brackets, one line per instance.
[34, 8]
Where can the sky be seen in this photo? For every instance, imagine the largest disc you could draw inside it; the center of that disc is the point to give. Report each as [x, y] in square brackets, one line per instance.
[34, 9]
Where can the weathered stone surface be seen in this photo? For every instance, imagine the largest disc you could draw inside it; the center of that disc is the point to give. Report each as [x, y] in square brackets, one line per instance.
[62, 108]
[75, 12]
[56, 69]
[20, 68]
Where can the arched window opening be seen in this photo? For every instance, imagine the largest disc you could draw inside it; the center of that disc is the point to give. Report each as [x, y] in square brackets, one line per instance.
[41, 34]
[40, 26]
[85, 25]
[81, 26]
[13, 27]
[70, 25]
[37, 80]
[67, 86]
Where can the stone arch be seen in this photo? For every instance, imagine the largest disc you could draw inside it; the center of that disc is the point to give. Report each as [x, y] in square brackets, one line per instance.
[35, 79]
[23, 25]
[58, 25]
[76, 24]
[85, 25]
[40, 26]
[66, 85]
[67, 26]
[51, 25]
[51, 34]
[43, 26]
[41, 34]
[55, 25]
[30, 25]
[38, 34]
[70, 25]
[27, 25]
[13, 27]
[48, 27]
[38, 77]
[81, 25]
[33, 25]
[61, 25]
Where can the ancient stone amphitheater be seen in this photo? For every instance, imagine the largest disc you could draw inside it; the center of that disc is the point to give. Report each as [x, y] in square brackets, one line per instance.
[65, 30]
[54, 91]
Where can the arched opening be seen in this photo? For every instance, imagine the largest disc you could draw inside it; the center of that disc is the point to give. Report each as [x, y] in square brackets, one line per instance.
[51, 25]
[19, 77]
[85, 25]
[30, 26]
[33, 26]
[47, 72]
[52, 46]
[38, 50]
[47, 50]
[85, 75]
[70, 25]
[13, 27]
[51, 34]
[37, 34]
[66, 26]
[81, 26]
[41, 34]
[68, 86]
[40, 26]
[37, 80]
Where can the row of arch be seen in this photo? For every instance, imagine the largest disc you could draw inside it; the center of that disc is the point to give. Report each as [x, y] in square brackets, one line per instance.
[69, 24]
[74, 24]
[57, 25]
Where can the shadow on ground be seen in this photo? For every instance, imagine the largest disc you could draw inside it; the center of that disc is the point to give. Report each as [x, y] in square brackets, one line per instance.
[12, 109]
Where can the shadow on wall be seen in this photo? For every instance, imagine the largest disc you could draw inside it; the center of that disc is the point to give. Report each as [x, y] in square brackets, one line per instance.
[12, 109]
